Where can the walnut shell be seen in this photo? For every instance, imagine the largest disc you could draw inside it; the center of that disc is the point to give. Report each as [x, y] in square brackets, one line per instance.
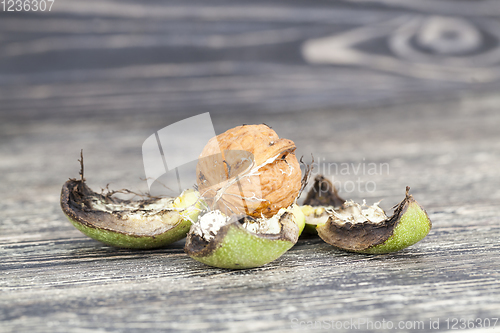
[249, 170]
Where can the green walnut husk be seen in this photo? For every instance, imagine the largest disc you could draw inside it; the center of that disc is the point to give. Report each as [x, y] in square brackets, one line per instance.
[370, 230]
[322, 197]
[142, 224]
[240, 242]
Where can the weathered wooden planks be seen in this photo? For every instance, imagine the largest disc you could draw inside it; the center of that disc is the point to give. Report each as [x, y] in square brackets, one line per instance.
[103, 76]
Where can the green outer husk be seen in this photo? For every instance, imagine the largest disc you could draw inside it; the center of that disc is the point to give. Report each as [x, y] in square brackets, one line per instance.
[185, 209]
[322, 194]
[413, 226]
[117, 239]
[300, 218]
[122, 240]
[241, 249]
[409, 225]
[310, 229]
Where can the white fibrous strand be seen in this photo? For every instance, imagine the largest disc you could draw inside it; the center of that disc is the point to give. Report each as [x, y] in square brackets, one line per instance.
[251, 172]
[151, 209]
[209, 224]
[354, 213]
[266, 225]
[320, 215]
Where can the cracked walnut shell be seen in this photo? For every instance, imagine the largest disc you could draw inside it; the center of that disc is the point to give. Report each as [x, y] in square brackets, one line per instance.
[249, 170]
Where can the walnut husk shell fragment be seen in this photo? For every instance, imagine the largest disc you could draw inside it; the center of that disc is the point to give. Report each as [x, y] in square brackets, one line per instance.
[408, 225]
[271, 180]
[323, 193]
[128, 224]
[235, 247]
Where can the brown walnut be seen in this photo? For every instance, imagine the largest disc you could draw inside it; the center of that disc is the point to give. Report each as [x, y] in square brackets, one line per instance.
[249, 170]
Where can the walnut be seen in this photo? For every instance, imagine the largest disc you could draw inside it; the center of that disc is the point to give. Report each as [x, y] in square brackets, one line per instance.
[249, 170]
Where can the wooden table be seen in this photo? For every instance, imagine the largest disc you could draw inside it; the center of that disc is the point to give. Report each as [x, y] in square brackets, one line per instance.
[412, 85]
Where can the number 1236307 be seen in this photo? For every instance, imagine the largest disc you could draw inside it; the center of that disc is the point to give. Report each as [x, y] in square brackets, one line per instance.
[27, 5]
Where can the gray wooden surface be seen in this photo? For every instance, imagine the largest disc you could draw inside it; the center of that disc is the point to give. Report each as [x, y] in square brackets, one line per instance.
[104, 75]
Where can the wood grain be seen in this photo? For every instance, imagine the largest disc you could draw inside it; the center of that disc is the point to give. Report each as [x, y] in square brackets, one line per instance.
[104, 75]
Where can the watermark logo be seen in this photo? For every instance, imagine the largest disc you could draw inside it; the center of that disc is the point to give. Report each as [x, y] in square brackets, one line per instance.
[357, 176]
[175, 155]
[169, 151]
[171, 157]
[368, 324]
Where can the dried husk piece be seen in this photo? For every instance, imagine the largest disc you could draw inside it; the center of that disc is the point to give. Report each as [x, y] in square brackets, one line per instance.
[143, 224]
[234, 246]
[323, 196]
[352, 228]
[257, 184]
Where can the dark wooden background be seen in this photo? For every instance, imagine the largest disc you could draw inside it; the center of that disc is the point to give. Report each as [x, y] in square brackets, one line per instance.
[413, 84]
